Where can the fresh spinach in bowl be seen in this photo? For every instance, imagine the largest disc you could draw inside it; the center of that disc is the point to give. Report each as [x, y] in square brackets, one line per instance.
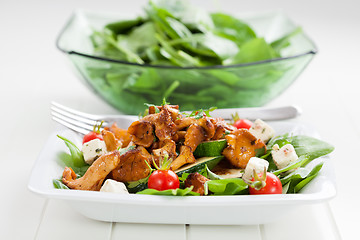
[173, 33]
[188, 56]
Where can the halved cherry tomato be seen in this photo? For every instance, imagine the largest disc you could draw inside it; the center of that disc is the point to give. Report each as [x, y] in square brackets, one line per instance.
[94, 134]
[242, 123]
[273, 185]
[163, 180]
[91, 136]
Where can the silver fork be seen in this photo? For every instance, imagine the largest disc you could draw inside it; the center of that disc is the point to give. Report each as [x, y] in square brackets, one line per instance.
[84, 122]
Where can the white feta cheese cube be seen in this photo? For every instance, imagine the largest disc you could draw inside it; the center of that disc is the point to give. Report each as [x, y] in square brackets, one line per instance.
[93, 149]
[262, 130]
[256, 164]
[284, 156]
[114, 187]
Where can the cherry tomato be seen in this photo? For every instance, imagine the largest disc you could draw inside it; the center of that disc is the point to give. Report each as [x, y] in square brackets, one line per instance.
[273, 186]
[163, 180]
[91, 136]
[242, 123]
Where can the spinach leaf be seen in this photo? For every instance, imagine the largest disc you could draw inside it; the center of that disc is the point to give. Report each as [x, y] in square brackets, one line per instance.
[74, 160]
[279, 140]
[59, 185]
[124, 26]
[254, 50]
[65, 160]
[222, 47]
[183, 177]
[115, 45]
[296, 176]
[226, 77]
[206, 172]
[183, 35]
[136, 186]
[303, 145]
[312, 147]
[105, 47]
[300, 178]
[314, 172]
[134, 41]
[302, 161]
[170, 192]
[232, 28]
[166, 22]
[284, 41]
[177, 57]
[229, 186]
[77, 157]
[177, 8]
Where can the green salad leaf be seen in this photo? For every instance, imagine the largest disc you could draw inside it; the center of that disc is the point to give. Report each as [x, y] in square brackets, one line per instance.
[170, 192]
[312, 147]
[139, 185]
[299, 178]
[312, 174]
[74, 160]
[306, 146]
[124, 26]
[253, 51]
[302, 161]
[284, 42]
[76, 154]
[206, 172]
[295, 176]
[182, 35]
[229, 186]
[59, 185]
[232, 28]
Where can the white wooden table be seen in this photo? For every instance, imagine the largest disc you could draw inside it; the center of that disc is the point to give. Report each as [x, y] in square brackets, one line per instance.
[33, 73]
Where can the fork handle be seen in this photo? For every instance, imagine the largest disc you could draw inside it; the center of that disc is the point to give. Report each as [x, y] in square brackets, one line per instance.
[264, 113]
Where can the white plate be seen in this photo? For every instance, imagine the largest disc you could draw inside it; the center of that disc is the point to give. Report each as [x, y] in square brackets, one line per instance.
[243, 209]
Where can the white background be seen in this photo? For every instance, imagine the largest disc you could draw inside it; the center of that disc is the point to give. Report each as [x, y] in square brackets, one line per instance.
[33, 73]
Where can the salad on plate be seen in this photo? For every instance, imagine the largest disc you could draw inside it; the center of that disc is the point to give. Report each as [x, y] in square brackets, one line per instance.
[167, 152]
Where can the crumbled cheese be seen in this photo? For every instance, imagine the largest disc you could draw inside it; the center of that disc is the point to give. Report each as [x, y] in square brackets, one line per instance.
[93, 149]
[262, 130]
[256, 164]
[284, 156]
[114, 187]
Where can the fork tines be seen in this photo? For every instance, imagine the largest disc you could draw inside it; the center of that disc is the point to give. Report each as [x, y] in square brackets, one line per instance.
[75, 120]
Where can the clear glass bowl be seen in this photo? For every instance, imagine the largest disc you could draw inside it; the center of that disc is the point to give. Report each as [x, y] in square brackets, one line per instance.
[127, 86]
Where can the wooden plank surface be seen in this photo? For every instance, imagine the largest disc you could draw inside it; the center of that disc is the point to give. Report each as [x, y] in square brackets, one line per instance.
[311, 222]
[306, 222]
[133, 231]
[20, 210]
[209, 232]
[61, 222]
